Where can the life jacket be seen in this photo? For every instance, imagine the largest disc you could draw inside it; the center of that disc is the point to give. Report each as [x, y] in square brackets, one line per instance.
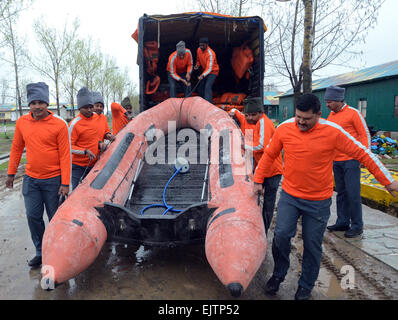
[152, 85]
[232, 98]
[151, 56]
[242, 60]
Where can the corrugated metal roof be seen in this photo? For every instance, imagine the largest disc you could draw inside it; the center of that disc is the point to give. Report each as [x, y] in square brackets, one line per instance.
[271, 98]
[389, 69]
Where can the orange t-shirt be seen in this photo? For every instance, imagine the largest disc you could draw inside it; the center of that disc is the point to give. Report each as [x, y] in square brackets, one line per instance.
[104, 122]
[352, 121]
[257, 137]
[308, 158]
[177, 65]
[85, 133]
[47, 145]
[119, 118]
[208, 61]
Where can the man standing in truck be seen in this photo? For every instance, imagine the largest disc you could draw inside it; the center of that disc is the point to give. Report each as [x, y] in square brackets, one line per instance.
[207, 60]
[179, 69]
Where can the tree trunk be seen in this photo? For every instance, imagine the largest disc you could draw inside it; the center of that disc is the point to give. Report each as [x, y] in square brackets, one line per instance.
[307, 54]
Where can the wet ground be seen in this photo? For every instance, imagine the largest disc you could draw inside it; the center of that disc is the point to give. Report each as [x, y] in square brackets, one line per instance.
[350, 269]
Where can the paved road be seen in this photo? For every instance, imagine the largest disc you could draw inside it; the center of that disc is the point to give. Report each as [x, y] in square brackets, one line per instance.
[128, 272]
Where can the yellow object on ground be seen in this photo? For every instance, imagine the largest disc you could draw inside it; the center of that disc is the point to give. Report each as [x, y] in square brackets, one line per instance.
[371, 189]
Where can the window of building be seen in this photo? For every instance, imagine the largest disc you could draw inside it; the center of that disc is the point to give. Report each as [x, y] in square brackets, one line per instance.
[362, 106]
[2, 115]
[284, 112]
[396, 107]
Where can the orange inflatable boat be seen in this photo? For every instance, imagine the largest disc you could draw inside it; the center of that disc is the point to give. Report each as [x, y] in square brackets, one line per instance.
[176, 174]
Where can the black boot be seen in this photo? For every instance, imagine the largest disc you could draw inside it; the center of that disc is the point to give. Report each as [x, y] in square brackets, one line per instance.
[35, 262]
[302, 294]
[272, 285]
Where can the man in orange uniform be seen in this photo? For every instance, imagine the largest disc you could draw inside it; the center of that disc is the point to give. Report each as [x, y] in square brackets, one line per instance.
[207, 60]
[309, 145]
[258, 130]
[179, 69]
[48, 169]
[86, 133]
[98, 108]
[121, 114]
[347, 171]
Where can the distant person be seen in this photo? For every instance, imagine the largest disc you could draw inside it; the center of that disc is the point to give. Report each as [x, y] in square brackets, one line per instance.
[98, 108]
[179, 69]
[48, 169]
[259, 129]
[87, 134]
[346, 170]
[309, 144]
[207, 60]
[121, 114]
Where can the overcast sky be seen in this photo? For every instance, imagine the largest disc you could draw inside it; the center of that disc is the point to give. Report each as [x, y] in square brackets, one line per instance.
[112, 22]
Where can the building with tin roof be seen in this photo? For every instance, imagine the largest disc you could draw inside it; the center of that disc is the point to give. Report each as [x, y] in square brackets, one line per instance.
[373, 91]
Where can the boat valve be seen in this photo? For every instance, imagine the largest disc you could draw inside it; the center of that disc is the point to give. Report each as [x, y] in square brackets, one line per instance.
[183, 164]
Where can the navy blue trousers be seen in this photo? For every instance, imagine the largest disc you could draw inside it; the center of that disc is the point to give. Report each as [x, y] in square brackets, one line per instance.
[314, 215]
[78, 172]
[347, 177]
[205, 87]
[38, 193]
[174, 84]
[270, 186]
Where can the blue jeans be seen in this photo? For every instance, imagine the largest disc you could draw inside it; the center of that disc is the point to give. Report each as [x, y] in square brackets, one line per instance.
[38, 193]
[315, 215]
[78, 172]
[347, 177]
[270, 186]
[174, 84]
[205, 87]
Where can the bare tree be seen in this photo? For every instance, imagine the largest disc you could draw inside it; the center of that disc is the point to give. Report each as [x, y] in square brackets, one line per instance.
[56, 46]
[72, 70]
[230, 7]
[4, 90]
[337, 27]
[103, 78]
[11, 40]
[11, 8]
[92, 59]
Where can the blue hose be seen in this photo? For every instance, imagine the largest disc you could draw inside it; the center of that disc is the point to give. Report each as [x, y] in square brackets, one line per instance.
[164, 205]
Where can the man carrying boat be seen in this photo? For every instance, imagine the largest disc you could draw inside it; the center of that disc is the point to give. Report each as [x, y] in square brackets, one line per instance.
[347, 171]
[87, 134]
[258, 130]
[47, 175]
[121, 114]
[309, 143]
[179, 69]
[207, 60]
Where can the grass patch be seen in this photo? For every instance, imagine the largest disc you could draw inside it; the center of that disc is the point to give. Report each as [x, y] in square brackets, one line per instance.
[390, 163]
[4, 165]
[6, 142]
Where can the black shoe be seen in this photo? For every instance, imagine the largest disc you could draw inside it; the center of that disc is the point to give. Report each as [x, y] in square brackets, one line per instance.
[302, 294]
[352, 233]
[335, 227]
[35, 262]
[272, 285]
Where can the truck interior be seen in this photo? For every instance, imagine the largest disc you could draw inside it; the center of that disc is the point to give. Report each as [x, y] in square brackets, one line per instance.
[237, 42]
